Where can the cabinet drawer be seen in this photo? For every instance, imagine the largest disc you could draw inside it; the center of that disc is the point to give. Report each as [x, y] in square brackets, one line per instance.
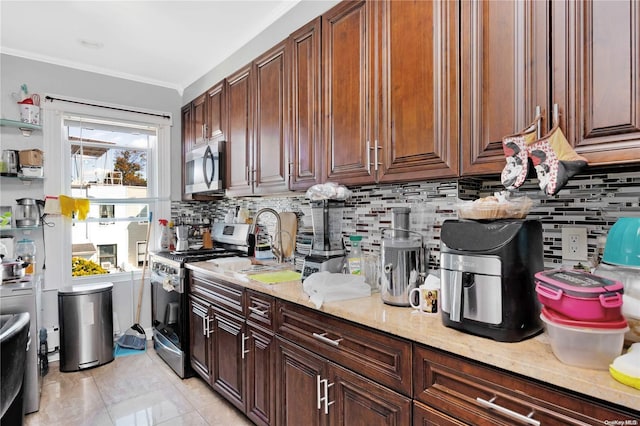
[457, 386]
[219, 292]
[380, 357]
[260, 309]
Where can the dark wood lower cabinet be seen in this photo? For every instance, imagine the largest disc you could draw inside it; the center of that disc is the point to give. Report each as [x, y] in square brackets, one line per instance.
[232, 345]
[260, 358]
[477, 394]
[298, 372]
[228, 357]
[285, 364]
[316, 391]
[200, 337]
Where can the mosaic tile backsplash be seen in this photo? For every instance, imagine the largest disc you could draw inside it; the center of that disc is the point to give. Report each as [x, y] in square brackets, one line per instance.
[593, 201]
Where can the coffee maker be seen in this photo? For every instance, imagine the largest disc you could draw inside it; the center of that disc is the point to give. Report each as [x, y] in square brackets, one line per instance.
[327, 248]
[487, 275]
[403, 263]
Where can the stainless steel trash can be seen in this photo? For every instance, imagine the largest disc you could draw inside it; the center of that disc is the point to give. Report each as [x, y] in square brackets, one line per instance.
[85, 313]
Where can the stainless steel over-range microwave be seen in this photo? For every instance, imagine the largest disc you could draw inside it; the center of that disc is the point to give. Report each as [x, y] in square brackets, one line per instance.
[204, 172]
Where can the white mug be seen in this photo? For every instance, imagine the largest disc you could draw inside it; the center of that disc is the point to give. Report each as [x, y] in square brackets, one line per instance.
[427, 296]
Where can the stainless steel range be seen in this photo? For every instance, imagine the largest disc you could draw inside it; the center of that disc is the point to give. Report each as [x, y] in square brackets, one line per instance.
[169, 298]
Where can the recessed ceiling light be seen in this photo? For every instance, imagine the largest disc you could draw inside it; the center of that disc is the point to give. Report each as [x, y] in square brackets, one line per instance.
[89, 44]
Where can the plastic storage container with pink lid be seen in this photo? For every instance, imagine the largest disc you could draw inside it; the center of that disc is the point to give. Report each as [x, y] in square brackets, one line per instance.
[580, 295]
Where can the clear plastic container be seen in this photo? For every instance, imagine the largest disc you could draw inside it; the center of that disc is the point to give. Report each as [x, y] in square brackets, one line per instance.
[26, 250]
[594, 346]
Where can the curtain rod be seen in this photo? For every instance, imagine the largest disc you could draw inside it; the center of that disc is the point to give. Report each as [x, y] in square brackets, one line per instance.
[51, 98]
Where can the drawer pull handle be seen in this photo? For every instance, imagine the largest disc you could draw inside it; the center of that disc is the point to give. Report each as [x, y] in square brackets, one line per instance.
[258, 311]
[323, 338]
[490, 404]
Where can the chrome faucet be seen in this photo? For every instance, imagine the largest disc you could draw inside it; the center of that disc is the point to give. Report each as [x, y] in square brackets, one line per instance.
[278, 252]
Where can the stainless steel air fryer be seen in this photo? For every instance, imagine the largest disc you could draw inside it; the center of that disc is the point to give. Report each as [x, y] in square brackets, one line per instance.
[487, 276]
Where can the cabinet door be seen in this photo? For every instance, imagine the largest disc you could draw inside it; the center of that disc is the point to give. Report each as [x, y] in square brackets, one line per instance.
[270, 150]
[215, 113]
[200, 337]
[199, 120]
[260, 383]
[187, 141]
[346, 94]
[596, 79]
[306, 113]
[228, 357]
[356, 400]
[238, 154]
[298, 372]
[504, 74]
[418, 115]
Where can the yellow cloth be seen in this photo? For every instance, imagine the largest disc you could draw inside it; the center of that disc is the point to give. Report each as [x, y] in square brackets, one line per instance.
[70, 205]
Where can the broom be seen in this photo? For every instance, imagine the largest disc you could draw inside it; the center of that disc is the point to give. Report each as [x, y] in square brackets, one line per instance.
[135, 337]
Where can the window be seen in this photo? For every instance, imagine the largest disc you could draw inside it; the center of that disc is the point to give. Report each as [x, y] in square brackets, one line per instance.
[108, 161]
[118, 159]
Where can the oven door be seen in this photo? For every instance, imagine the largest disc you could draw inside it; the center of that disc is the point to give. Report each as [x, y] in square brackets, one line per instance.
[169, 320]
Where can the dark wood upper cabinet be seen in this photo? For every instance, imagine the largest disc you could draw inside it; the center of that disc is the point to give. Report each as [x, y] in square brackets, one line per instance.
[239, 140]
[215, 113]
[416, 113]
[270, 168]
[346, 94]
[306, 116]
[199, 120]
[596, 56]
[504, 74]
[257, 151]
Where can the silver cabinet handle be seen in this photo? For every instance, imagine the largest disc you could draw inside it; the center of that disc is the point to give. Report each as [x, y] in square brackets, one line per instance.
[376, 162]
[207, 328]
[368, 149]
[490, 404]
[258, 311]
[244, 345]
[323, 338]
[319, 391]
[323, 384]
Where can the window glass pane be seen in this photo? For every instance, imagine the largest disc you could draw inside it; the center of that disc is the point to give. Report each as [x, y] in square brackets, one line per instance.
[109, 167]
[109, 162]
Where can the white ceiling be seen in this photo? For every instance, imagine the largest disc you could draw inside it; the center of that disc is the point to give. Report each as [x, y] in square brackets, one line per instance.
[165, 43]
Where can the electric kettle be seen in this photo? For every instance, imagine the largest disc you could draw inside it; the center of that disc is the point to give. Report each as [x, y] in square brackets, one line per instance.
[28, 212]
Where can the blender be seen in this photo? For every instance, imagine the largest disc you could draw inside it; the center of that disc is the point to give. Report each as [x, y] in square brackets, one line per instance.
[403, 262]
[327, 248]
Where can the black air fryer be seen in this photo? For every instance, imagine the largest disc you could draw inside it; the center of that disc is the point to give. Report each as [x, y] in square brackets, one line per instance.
[487, 271]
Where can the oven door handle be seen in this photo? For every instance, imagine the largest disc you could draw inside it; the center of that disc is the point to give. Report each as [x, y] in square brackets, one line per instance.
[159, 340]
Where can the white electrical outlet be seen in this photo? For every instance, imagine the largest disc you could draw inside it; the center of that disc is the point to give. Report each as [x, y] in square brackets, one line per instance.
[574, 244]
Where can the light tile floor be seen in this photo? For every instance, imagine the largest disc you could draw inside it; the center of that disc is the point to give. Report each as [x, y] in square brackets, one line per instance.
[135, 390]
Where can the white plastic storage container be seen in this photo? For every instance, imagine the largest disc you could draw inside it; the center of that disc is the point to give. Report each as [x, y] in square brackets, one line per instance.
[584, 344]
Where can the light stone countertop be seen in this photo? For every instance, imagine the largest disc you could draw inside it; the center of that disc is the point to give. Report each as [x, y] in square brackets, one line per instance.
[531, 358]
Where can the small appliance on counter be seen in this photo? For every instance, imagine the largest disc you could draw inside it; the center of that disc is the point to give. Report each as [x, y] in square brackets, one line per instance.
[327, 248]
[27, 212]
[402, 260]
[487, 277]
